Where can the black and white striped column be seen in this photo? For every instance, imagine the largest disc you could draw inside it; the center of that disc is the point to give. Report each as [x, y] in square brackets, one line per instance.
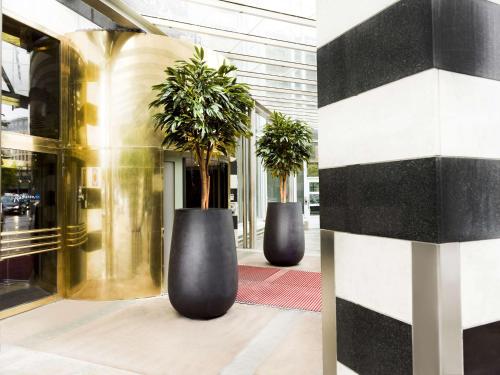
[409, 153]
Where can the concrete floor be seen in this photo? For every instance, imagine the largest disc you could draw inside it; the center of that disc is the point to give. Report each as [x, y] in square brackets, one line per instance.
[147, 336]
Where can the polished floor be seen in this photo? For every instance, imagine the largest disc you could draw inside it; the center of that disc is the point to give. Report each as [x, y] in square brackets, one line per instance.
[147, 336]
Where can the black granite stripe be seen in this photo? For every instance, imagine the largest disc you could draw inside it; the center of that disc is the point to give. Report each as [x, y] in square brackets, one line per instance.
[470, 199]
[482, 350]
[389, 46]
[370, 343]
[467, 37]
[437, 200]
[395, 199]
[409, 37]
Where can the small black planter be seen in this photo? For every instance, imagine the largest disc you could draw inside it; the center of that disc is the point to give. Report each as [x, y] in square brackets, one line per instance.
[203, 269]
[284, 234]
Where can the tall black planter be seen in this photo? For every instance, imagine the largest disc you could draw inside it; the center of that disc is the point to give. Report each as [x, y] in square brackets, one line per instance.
[203, 269]
[284, 234]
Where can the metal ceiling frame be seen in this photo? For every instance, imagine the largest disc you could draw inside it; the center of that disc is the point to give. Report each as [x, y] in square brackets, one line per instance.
[259, 12]
[186, 26]
[292, 110]
[267, 61]
[122, 14]
[274, 77]
[284, 91]
[305, 115]
[284, 104]
[284, 100]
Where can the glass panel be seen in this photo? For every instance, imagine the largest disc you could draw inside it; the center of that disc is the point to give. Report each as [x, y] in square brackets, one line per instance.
[314, 199]
[260, 178]
[224, 44]
[314, 187]
[299, 178]
[27, 278]
[30, 81]
[273, 188]
[28, 225]
[29, 185]
[312, 170]
[218, 172]
[275, 70]
[314, 157]
[218, 18]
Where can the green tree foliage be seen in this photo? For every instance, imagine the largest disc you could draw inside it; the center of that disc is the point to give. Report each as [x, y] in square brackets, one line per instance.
[284, 146]
[202, 110]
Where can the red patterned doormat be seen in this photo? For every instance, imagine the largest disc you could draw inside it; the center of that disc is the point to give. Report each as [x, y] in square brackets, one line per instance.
[278, 287]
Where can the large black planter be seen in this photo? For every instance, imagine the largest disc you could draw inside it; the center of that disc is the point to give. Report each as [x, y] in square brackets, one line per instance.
[284, 234]
[203, 269]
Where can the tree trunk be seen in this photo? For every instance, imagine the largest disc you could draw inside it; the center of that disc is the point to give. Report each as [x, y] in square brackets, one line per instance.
[207, 189]
[283, 189]
[204, 160]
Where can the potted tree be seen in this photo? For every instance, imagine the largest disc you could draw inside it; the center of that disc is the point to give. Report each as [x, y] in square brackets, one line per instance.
[284, 146]
[204, 111]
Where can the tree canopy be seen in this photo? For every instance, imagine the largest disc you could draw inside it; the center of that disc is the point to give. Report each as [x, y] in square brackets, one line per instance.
[284, 146]
[203, 110]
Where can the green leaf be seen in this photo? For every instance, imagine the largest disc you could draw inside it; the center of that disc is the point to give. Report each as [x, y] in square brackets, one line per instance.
[284, 145]
[201, 106]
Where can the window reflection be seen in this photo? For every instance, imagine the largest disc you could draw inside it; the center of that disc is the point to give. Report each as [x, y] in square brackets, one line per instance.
[30, 81]
[29, 233]
[28, 190]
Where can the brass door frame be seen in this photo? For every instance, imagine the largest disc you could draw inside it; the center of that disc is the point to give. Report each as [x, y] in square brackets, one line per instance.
[39, 145]
[23, 142]
[14, 143]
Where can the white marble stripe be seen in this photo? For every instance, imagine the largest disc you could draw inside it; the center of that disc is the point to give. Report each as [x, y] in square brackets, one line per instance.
[262, 345]
[480, 288]
[435, 112]
[392, 122]
[469, 115]
[335, 17]
[376, 273]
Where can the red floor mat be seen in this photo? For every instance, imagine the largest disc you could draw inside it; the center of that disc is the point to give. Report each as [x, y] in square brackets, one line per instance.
[280, 288]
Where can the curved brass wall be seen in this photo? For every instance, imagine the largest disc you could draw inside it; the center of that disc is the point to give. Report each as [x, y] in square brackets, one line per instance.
[113, 162]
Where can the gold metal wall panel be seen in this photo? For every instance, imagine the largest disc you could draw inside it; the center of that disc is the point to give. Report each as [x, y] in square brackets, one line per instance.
[113, 163]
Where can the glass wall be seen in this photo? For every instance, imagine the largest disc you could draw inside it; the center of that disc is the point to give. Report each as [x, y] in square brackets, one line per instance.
[312, 180]
[261, 197]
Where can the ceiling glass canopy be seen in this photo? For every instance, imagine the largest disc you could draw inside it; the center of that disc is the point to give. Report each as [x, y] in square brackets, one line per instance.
[272, 42]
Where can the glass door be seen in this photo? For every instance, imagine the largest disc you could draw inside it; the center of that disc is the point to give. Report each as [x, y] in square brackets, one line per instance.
[30, 235]
[30, 238]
